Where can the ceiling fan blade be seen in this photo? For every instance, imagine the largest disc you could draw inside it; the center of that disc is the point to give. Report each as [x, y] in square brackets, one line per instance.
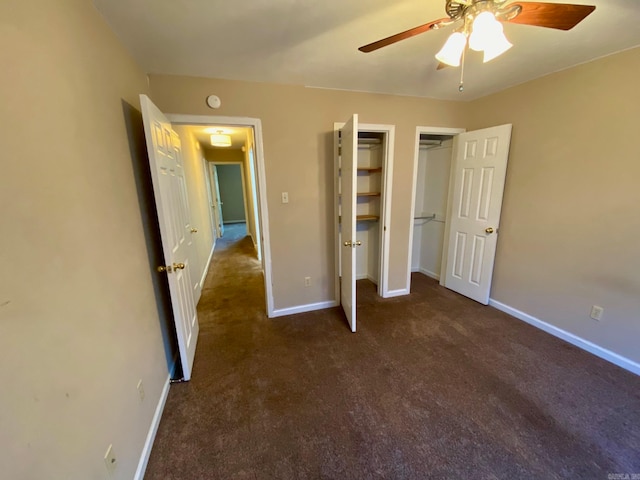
[551, 15]
[403, 35]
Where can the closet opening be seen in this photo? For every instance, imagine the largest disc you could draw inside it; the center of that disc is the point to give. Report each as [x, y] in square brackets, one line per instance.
[373, 167]
[431, 194]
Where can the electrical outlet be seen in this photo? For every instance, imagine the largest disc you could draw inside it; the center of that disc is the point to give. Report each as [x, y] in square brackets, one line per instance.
[285, 197]
[307, 281]
[140, 388]
[596, 312]
[110, 460]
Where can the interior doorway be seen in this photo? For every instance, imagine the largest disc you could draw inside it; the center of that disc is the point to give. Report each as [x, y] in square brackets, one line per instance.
[363, 178]
[458, 187]
[238, 141]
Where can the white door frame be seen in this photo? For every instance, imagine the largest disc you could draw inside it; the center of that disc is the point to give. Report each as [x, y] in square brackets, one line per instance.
[263, 214]
[244, 186]
[385, 213]
[431, 131]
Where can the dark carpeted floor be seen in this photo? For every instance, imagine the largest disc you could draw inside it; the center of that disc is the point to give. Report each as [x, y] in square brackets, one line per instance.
[432, 385]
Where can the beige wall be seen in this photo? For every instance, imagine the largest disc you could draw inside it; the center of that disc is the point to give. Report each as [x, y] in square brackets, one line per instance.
[570, 225]
[194, 169]
[79, 322]
[298, 145]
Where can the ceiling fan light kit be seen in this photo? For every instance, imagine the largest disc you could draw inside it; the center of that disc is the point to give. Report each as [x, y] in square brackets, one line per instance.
[482, 27]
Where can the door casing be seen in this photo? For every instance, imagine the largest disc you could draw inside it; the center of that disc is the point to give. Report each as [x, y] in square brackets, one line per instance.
[385, 214]
[432, 131]
[261, 182]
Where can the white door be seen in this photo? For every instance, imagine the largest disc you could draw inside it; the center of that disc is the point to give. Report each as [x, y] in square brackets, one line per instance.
[193, 253]
[207, 178]
[170, 192]
[217, 207]
[480, 166]
[348, 189]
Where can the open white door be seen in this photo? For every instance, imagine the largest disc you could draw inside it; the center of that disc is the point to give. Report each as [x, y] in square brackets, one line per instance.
[348, 189]
[170, 192]
[480, 167]
[217, 207]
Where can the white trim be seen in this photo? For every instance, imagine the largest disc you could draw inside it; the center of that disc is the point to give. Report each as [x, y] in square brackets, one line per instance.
[153, 429]
[304, 308]
[416, 155]
[579, 342]
[385, 214]
[397, 293]
[206, 268]
[429, 273]
[336, 213]
[263, 216]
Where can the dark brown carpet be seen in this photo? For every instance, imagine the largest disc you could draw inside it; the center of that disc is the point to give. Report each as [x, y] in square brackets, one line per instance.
[433, 385]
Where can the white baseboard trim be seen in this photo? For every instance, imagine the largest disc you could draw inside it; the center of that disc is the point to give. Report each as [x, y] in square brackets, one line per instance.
[397, 293]
[590, 347]
[429, 273]
[304, 308]
[206, 268]
[362, 276]
[153, 429]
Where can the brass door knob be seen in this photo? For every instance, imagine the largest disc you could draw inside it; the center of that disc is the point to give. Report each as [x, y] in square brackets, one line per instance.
[358, 243]
[167, 269]
[489, 230]
[347, 243]
[194, 230]
[178, 266]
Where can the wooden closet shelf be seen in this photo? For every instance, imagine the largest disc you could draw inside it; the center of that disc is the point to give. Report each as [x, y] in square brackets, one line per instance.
[368, 194]
[370, 169]
[363, 218]
[367, 218]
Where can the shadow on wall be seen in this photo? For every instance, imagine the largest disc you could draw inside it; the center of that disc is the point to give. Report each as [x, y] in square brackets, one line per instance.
[149, 215]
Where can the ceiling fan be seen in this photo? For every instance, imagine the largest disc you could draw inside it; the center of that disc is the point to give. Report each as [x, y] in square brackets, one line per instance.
[481, 26]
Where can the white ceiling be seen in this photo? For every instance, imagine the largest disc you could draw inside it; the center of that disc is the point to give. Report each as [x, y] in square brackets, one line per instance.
[314, 43]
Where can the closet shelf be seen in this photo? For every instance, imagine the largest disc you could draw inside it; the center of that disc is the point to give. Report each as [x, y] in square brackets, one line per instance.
[367, 218]
[363, 218]
[365, 194]
[364, 170]
[369, 169]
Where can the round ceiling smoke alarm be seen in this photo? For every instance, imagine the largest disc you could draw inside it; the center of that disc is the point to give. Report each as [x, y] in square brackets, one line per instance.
[213, 101]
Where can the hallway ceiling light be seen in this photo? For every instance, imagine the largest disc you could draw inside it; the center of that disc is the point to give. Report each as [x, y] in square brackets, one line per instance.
[220, 140]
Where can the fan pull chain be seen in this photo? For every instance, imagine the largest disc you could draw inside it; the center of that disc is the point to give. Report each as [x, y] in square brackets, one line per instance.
[461, 87]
